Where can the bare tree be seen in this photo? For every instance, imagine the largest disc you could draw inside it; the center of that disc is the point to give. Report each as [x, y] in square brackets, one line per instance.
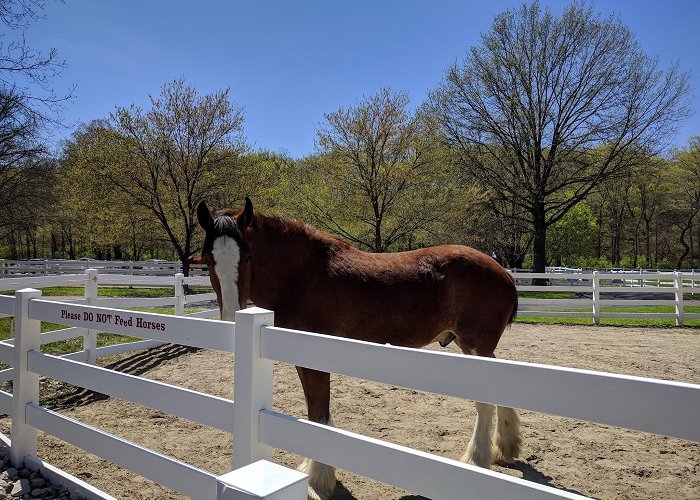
[27, 73]
[28, 106]
[174, 155]
[547, 108]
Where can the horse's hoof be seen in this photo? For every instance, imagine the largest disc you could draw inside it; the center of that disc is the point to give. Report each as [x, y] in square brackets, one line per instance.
[472, 457]
[321, 479]
[506, 453]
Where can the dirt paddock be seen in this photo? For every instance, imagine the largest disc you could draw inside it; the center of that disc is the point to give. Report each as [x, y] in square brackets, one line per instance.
[590, 459]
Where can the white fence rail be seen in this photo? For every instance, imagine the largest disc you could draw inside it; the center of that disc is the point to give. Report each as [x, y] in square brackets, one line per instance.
[631, 402]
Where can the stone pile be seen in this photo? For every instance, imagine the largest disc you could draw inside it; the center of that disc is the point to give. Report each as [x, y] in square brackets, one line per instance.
[26, 484]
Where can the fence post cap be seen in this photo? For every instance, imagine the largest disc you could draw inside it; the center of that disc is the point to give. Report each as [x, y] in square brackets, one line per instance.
[262, 479]
[28, 292]
[252, 311]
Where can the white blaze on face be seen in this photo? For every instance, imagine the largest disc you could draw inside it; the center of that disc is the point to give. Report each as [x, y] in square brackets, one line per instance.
[226, 257]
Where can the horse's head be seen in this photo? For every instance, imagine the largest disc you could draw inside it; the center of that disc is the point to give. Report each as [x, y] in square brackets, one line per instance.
[227, 254]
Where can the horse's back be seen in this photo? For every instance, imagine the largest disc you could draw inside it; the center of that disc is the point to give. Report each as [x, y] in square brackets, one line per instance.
[408, 298]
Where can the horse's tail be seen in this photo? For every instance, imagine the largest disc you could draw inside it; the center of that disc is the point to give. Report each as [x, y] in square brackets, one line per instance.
[514, 312]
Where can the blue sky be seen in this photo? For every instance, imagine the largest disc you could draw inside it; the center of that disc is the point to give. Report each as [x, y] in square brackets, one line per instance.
[289, 62]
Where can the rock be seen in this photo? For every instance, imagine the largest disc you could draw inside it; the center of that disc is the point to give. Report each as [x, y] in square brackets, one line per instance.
[12, 473]
[20, 488]
[37, 482]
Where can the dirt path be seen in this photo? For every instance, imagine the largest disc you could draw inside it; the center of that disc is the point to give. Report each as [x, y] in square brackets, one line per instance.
[587, 458]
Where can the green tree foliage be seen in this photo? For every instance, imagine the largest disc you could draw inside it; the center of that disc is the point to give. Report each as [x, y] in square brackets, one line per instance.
[684, 211]
[95, 218]
[546, 106]
[573, 238]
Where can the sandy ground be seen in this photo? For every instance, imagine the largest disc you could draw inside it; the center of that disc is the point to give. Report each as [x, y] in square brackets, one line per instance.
[590, 459]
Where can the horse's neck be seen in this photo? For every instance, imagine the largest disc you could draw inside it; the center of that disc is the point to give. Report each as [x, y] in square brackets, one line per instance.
[282, 259]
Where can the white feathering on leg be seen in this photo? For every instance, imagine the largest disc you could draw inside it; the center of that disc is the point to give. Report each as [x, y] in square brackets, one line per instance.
[508, 436]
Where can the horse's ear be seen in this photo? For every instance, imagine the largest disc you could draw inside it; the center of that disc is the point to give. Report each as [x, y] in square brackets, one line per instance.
[245, 219]
[204, 216]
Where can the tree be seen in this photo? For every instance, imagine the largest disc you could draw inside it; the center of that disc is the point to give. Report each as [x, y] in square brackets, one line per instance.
[90, 212]
[375, 178]
[686, 198]
[574, 237]
[28, 105]
[649, 195]
[174, 155]
[546, 108]
[27, 73]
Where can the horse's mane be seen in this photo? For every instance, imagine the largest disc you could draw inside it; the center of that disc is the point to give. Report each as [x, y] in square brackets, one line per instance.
[289, 227]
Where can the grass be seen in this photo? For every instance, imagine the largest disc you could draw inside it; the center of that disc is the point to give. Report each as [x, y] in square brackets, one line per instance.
[650, 322]
[547, 295]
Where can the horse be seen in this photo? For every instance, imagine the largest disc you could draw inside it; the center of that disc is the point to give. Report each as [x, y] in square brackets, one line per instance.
[317, 282]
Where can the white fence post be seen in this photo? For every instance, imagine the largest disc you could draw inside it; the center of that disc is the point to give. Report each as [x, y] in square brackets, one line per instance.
[252, 386]
[179, 294]
[25, 384]
[262, 480]
[596, 298]
[678, 285]
[90, 338]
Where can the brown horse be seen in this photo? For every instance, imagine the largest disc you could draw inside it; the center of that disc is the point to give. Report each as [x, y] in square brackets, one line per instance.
[316, 282]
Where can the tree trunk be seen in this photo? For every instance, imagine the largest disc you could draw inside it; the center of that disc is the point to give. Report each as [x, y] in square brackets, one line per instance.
[539, 245]
[679, 264]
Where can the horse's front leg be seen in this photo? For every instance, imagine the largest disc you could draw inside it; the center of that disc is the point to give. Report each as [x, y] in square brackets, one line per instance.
[317, 390]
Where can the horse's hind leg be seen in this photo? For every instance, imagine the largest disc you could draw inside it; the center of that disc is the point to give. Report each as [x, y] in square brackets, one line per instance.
[317, 389]
[506, 445]
[508, 436]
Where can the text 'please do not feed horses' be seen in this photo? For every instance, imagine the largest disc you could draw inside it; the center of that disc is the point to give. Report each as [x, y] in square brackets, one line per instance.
[316, 282]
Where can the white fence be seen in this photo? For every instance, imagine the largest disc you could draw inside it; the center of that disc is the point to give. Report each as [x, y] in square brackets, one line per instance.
[631, 402]
[153, 267]
[594, 290]
[91, 280]
[601, 286]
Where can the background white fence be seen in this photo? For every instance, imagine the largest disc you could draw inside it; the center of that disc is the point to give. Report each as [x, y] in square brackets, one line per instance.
[595, 291]
[631, 402]
[592, 292]
[152, 267]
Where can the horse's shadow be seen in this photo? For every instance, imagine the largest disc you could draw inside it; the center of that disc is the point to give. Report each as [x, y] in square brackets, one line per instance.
[342, 493]
[533, 475]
